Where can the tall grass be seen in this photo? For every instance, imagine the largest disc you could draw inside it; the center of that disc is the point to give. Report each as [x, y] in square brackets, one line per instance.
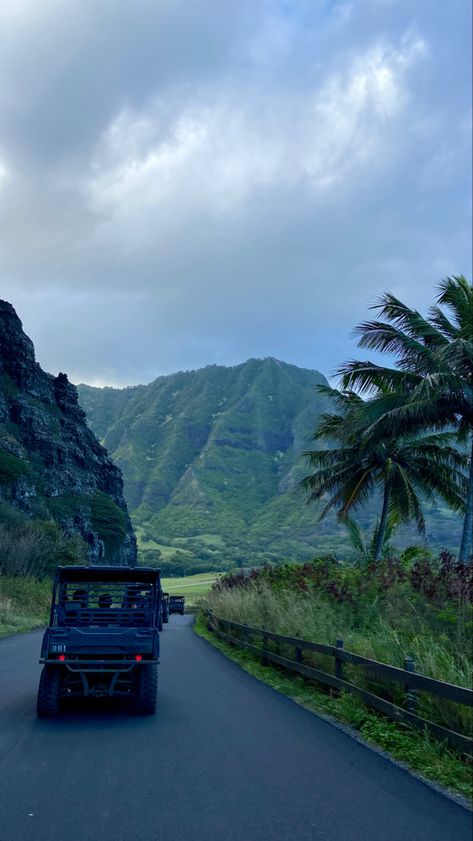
[384, 628]
[24, 604]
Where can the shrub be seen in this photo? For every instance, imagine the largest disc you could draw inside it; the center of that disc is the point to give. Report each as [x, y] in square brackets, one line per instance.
[36, 547]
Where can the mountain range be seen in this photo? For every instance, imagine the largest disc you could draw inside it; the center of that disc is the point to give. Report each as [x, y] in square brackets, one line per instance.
[212, 460]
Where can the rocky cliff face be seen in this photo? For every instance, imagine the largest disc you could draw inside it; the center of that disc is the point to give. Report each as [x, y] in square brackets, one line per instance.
[51, 464]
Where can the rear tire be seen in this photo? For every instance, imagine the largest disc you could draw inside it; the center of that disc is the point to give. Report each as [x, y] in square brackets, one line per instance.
[48, 692]
[147, 689]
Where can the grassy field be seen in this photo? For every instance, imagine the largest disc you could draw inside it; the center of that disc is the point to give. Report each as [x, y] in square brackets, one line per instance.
[193, 587]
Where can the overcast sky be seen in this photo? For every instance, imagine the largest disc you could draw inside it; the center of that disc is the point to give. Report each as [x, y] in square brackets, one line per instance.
[185, 182]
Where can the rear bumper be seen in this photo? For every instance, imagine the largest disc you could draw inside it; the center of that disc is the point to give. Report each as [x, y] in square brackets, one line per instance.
[99, 665]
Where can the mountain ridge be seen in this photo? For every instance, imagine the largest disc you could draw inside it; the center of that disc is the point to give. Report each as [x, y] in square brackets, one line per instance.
[212, 460]
[206, 451]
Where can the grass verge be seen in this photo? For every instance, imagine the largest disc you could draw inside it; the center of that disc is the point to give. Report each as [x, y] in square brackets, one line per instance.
[431, 760]
[24, 604]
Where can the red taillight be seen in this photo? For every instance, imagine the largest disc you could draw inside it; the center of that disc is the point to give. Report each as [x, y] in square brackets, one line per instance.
[138, 657]
[62, 657]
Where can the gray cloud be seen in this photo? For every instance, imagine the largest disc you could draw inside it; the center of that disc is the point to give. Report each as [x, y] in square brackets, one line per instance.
[182, 184]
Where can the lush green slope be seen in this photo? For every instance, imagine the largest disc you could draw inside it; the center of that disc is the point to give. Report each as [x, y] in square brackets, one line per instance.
[211, 461]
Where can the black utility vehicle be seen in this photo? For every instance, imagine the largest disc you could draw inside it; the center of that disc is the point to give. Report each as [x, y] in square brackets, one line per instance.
[165, 606]
[176, 604]
[103, 636]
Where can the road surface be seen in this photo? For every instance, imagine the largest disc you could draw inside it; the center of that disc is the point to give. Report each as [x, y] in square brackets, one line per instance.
[224, 759]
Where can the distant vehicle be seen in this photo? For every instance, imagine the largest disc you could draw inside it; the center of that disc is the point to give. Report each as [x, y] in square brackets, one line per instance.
[176, 604]
[165, 606]
[102, 638]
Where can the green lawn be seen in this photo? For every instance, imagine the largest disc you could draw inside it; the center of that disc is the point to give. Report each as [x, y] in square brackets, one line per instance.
[192, 587]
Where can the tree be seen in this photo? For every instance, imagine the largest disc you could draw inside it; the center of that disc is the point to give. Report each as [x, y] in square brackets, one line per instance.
[432, 386]
[365, 548]
[403, 468]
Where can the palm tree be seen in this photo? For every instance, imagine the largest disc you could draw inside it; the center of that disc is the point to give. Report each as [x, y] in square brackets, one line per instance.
[365, 548]
[402, 468]
[432, 386]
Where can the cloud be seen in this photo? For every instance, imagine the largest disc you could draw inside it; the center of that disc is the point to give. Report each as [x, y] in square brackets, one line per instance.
[222, 150]
[239, 179]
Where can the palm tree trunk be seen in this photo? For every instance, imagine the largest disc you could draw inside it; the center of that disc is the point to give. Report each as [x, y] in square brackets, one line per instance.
[466, 549]
[383, 524]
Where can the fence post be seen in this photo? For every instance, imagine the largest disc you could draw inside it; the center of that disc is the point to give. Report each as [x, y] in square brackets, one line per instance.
[338, 662]
[299, 654]
[245, 634]
[411, 698]
[265, 644]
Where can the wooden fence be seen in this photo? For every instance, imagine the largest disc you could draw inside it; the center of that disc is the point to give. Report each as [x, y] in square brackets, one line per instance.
[408, 678]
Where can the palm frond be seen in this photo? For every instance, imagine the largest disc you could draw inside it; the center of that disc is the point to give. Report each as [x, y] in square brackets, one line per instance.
[409, 321]
[368, 377]
[457, 294]
[442, 323]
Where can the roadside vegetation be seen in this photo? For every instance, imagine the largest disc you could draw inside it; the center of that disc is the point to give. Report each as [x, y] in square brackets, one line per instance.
[30, 550]
[431, 760]
[24, 604]
[403, 606]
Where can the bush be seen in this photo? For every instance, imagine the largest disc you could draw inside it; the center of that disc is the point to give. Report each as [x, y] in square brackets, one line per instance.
[35, 548]
[24, 604]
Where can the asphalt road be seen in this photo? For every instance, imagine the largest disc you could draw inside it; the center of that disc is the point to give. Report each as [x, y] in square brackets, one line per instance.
[224, 759]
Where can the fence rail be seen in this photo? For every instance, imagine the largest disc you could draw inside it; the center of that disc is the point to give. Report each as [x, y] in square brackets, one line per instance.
[408, 678]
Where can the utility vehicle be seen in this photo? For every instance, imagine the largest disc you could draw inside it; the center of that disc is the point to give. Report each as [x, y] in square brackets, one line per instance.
[165, 606]
[102, 638]
[176, 604]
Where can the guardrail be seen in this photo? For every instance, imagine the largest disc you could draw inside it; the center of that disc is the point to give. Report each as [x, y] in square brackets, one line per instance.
[410, 680]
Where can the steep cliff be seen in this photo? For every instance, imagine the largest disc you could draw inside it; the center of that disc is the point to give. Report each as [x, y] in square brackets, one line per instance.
[51, 464]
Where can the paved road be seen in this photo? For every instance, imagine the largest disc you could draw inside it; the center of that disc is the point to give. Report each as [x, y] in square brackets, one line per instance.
[225, 759]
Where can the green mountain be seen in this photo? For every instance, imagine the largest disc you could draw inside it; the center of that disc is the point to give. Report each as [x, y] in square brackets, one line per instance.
[211, 461]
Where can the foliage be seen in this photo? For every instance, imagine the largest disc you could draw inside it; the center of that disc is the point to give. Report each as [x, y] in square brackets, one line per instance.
[365, 550]
[213, 457]
[404, 467]
[108, 520]
[431, 759]
[35, 547]
[383, 611]
[24, 603]
[431, 386]
[12, 467]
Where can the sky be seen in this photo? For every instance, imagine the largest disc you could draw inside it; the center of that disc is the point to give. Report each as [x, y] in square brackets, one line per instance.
[193, 182]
